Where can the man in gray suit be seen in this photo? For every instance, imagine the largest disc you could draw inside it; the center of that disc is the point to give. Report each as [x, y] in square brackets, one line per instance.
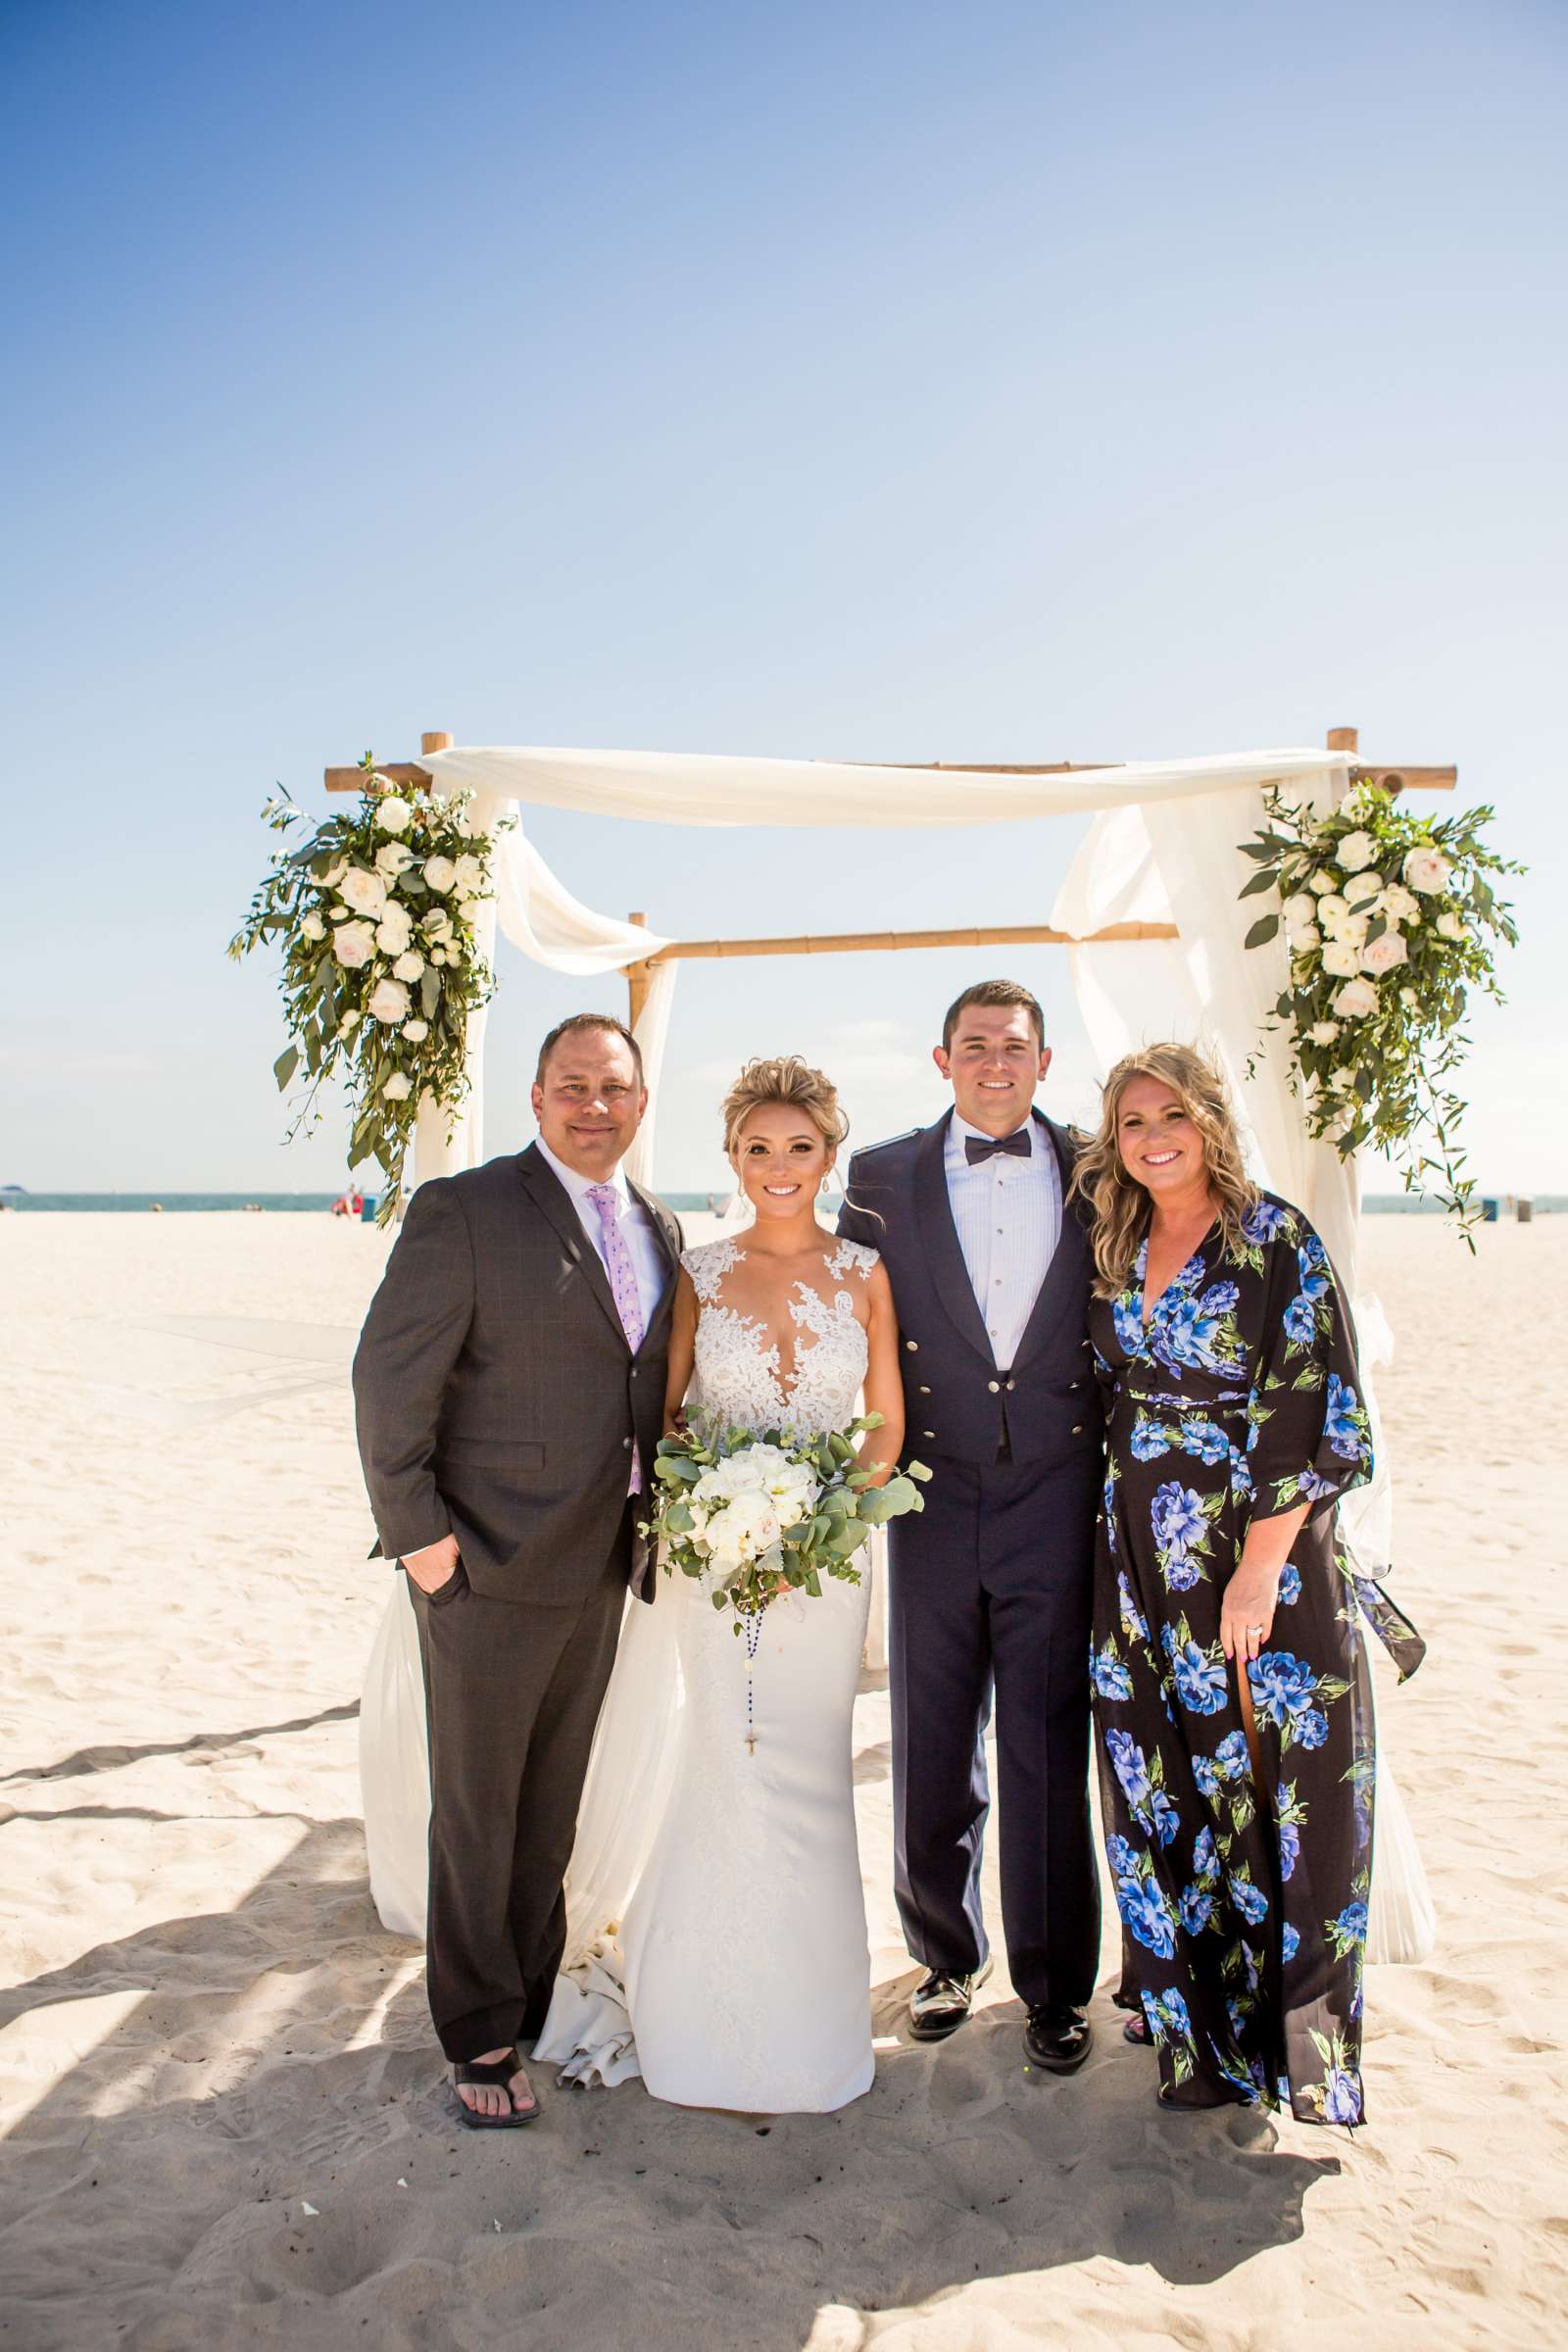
[509, 1392]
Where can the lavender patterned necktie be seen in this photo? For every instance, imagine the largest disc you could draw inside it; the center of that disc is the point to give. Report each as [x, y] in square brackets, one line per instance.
[623, 1288]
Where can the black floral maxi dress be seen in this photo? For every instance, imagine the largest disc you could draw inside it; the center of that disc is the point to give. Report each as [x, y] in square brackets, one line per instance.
[1245, 1921]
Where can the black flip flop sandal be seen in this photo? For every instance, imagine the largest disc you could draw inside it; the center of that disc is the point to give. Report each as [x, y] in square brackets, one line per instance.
[1136, 2031]
[498, 2072]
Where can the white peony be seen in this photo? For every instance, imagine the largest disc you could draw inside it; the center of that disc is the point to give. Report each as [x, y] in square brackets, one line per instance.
[437, 924]
[737, 1474]
[312, 926]
[394, 931]
[365, 892]
[353, 944]
[1323, 1032]
[746, 1528]
[1341, 960]
[1399, 904]
[1362, 889]
[1453, 926]
[439, 873]
[1355, 927]
[415, 1032]
[1379, 955]
[397, 1087]
[1354, 850]
[1331, 910]
[393, 814]
[392, 859]
[389, 1001]
[1301, 907]
[408, 966]
[1428, 871]
[1321, 881]
[1308, 936]
[1356, 999]
[469, 876]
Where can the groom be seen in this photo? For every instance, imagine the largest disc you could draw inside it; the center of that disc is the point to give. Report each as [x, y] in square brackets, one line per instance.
[990, 1585]
[509, 1389]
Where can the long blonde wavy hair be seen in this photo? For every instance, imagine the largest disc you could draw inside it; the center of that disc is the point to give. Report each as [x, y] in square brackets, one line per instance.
[1120, 1203]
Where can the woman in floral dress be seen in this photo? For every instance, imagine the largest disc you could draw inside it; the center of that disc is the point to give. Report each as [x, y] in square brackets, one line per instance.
[1232, 1695]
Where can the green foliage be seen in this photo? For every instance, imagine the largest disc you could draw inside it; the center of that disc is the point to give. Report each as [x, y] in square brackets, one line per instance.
[1390, 920]
[380, 964]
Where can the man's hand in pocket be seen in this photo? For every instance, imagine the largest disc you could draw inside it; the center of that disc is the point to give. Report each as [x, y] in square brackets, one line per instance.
[435, 1566]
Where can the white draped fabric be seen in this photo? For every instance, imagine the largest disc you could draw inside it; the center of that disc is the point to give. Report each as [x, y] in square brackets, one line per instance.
[1162, 849]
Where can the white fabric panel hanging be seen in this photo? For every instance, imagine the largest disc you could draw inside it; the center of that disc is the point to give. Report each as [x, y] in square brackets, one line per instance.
[652, 1035]
[702, 787]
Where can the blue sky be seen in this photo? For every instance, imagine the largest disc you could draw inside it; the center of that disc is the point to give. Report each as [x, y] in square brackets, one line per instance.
[885, 381]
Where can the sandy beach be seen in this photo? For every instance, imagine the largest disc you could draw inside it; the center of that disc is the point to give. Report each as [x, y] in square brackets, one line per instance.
[225, 2116]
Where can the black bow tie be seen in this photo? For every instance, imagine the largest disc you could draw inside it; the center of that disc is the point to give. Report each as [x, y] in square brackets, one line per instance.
[981, 1147]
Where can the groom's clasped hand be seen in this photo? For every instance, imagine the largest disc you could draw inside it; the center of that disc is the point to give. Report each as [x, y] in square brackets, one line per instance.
[540, 1336]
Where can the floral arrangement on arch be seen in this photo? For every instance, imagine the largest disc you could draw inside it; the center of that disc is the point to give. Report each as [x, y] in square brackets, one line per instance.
[382, 967]
[1387, 916]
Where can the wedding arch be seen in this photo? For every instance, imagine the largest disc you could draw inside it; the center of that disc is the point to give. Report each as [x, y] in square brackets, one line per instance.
[1150, 912]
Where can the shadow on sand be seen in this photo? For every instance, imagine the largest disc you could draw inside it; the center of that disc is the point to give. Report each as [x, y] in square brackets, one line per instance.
[155, 2196]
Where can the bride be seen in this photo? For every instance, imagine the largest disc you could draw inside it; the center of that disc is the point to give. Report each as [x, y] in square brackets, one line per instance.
[716, 1926]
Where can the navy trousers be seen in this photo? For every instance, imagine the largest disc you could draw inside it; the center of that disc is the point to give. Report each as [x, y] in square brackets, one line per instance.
[990, 1595]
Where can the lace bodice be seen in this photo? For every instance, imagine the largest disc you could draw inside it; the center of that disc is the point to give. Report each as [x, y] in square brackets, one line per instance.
[738, 1378]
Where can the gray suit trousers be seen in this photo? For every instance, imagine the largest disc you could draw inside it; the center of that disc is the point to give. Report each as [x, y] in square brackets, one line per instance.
[513, 1691]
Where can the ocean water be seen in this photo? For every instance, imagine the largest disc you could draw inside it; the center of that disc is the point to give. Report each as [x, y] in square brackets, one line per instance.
[1391, 1204]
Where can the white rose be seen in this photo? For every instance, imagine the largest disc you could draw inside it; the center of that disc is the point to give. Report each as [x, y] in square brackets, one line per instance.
[1399, 904]
[353, 944]
[1362, 889]
[1323, 1032]
[1450, 926]
[736, 1474]
[1301, 907]
[408, 966]
[1341, 960]
[397, 1087]
[746, 1528]
[439, 873]
[1379, 955]
[1354, 850]
[389, 1001]
[1356, 999]
[394, 931]
[1355, 927]
[1428, 871]
[1331, 910]
[312, 926]
[437, 923]
[365, 892]
[415, 1032]
[393, 814]
[391, 860]
[1320, 882]
[469, 873]
[1308, 936]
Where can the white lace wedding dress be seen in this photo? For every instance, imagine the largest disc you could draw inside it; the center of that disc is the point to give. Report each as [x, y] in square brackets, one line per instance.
[716, 1925]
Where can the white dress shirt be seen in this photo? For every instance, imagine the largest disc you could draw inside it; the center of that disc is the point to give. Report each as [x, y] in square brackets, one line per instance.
[648, 1260]
[1008, 1214]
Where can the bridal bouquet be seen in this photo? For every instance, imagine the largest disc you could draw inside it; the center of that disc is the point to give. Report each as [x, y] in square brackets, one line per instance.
[765, 1515]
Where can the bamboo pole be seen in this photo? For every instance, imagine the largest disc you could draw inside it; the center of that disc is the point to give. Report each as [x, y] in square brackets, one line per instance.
[639, 979]
[850, 942]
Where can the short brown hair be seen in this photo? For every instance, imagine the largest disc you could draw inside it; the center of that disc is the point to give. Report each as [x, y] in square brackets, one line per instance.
[785, 1078]
[578, 1021]
[995, 992]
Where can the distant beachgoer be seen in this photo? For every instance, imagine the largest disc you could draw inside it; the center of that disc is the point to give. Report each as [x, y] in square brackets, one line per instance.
[1231, 1682]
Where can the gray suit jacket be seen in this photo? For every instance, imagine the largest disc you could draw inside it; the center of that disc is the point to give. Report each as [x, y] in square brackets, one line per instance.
[495, 1394]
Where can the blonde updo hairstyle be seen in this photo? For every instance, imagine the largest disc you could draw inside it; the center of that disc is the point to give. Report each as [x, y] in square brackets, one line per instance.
[784, 1078]
[1120, 1203]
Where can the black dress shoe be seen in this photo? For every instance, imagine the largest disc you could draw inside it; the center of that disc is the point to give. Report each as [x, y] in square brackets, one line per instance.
[1057, 2038]
[941, 2000]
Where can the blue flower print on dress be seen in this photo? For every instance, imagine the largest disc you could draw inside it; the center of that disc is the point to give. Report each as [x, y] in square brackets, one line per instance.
[1232, 1758]
[1122, 1856]
[1206, 1859]
[1342, 2096]
[1177, 1516]
[1206, 1776]
[1149, 1441]
[1134, 1624]
[1131, 1767]
[1344, 1420]
[1283, 1685]
[1250, 1900]
[1313, 1261]
[1125, 1316]
[1110, 1676]
[1167, 1821]
[1205, 1440]
[1199, 1677]
[1263, 1220]
[1289, 1942]
[1300, 1320]
[1147, 1916]
[1290, 1847]
[1290, 1585]
[1197, 1909]
[1198, 1334]
[1312, 1728]
[1348, 1933]
[1242, 1487]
